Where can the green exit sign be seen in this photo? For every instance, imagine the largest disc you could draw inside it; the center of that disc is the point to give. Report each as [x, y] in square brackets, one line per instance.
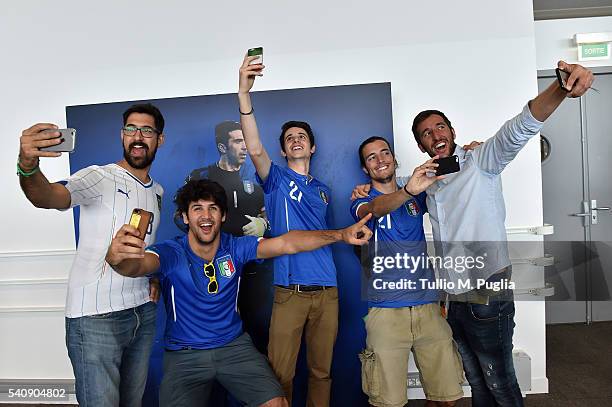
[588, 52]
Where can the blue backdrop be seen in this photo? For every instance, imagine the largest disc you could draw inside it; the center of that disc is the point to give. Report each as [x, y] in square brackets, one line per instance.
[341, 118]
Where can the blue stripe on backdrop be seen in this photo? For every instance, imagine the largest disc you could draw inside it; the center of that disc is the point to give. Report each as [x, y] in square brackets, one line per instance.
[341, 117]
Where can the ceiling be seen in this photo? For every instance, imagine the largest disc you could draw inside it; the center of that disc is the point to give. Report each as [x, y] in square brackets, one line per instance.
[556, 9]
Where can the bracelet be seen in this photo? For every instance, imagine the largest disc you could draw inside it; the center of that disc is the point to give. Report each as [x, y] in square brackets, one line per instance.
[26, 174]
[406, 190]
[246, 114]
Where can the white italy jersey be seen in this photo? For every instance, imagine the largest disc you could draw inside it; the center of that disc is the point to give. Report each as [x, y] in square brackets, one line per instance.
[107, 195]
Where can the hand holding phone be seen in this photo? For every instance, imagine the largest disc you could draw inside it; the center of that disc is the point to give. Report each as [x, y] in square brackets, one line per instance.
[141, 219]
[447, 165]
[67, 141]
[563, 76]
[258, 51]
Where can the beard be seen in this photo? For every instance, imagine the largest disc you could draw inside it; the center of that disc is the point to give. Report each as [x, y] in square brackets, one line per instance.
[140, 162]
[384, 180]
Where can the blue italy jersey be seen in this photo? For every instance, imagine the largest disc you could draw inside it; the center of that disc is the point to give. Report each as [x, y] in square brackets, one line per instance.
[298, 202]
[398, 271]
[196, 318]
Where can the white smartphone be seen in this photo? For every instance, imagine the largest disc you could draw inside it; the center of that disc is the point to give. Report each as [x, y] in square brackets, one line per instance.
[68, 141]
[256, 52]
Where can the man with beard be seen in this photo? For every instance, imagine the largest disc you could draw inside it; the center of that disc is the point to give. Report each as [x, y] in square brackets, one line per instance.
[199, 274]
[467, 214]
[483, 320]
[110, 319]
[402, 320]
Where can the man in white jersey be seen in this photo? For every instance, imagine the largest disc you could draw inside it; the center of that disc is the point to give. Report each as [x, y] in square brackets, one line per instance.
[110, 319]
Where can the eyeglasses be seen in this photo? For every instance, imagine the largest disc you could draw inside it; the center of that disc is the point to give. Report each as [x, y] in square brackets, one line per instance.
[147, 132]
[209, 271]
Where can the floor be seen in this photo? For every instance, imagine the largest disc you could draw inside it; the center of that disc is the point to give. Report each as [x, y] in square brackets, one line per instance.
[579, 368]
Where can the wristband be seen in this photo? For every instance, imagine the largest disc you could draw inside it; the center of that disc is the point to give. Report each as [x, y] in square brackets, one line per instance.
[26, 174]
[246, 114]
[406, 190]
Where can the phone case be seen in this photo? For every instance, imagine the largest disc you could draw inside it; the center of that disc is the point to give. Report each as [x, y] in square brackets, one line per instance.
[448, 165]
[562, 78]
[141, 219]
[68, 137]
[256, 52]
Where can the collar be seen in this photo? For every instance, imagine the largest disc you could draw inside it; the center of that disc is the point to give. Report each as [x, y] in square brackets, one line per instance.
[194, 258]
[305, 178]
[461, 153]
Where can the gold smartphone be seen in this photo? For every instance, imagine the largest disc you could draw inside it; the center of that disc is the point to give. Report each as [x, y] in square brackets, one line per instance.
[141, 219]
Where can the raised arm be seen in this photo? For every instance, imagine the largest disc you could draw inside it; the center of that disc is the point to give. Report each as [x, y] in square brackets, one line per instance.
[34, 184]
[126, 254]
[579, 81]
[498, 151]
[420, 180]
[296, 241]
[256, 150]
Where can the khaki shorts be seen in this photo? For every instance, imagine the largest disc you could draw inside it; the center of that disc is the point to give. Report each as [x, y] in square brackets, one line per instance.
[392, 333]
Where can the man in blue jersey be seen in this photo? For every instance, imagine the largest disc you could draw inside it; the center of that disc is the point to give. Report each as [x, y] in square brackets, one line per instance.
[404, 314]
[245, 216]
[199, 274]
[305, 293]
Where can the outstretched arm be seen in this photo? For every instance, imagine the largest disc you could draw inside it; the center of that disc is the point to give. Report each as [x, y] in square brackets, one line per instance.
[296, 241]
[256, 150]
[420, 180]
[498, 151]
[126, 254]
[579, 81]
[36, 187]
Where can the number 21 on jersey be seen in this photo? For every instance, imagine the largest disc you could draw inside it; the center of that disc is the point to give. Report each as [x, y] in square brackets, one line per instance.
[292, 192]
[385, 221]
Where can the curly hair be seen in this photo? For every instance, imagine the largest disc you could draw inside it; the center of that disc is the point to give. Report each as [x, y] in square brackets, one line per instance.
[194, 190]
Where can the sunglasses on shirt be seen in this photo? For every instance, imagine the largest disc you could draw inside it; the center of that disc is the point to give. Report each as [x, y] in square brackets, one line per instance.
[209, 272]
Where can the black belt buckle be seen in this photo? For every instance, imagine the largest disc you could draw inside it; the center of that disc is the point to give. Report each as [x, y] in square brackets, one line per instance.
[300, 288]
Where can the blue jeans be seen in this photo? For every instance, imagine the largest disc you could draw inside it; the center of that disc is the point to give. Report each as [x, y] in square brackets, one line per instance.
[110, 355]
[484, 337]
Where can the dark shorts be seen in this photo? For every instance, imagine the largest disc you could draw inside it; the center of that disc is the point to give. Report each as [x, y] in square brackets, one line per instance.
[189, 375]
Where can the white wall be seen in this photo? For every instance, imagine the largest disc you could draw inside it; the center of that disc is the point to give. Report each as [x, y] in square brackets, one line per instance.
[555, 40]
[475, 61]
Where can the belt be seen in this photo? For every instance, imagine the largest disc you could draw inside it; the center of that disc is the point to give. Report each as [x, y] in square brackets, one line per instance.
[299, 288]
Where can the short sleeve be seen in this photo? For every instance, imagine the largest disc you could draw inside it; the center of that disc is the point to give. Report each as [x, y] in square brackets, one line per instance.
[245, 249]
[274, 178]
[168, 258]
[85, 186]
[356, 204]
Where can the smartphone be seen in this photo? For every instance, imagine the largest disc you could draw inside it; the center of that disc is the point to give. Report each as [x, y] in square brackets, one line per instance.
[68, 140]
[141, 220]
[256, 52]
[447, 165]
[562, 78]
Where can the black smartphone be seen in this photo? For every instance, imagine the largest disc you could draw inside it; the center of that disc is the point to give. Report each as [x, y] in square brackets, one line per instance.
[256, 52]
[562, 78]
[68, 141]
[447, 165]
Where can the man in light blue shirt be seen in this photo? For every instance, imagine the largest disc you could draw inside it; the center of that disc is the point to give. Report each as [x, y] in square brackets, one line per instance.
[467, 214]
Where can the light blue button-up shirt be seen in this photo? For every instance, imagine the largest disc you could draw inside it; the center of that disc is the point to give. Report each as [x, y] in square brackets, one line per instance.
[467, 210]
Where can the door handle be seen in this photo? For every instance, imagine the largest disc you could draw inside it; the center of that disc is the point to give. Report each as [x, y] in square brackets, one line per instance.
[586, 213]
[603, 208]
